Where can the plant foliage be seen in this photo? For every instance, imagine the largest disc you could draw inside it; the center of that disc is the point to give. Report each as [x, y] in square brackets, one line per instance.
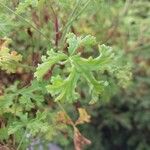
[61, 83]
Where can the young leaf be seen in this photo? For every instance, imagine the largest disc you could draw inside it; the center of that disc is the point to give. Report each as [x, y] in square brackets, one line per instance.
[48, 62]
[75, 42]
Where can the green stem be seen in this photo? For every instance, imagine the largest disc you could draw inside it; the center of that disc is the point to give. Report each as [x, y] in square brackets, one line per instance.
[62, 108]
[67, 24]
[72, 18]
[127, 6]
[21, 141]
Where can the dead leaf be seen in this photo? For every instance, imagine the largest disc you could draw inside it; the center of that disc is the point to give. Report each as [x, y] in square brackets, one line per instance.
[2, 147]
[3, 43]
[13, 53]
[62, 117]
[83, 116]
[79, 140]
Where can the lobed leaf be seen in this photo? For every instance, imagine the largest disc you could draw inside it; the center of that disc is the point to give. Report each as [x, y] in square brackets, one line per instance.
[64, 90]
[48, 62]
[75, 42]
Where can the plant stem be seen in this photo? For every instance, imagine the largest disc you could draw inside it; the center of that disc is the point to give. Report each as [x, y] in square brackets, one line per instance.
[62, 108]
[128, 4]
[72, 18]
[66, 25]
[21, 141]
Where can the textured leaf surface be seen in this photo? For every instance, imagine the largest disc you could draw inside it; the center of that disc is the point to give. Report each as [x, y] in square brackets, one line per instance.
[33, 126]
[48, 62]
[65, 89]
[28, 97]
[75, 42]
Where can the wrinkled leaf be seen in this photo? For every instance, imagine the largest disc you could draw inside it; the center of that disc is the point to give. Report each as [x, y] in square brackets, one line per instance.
[62, 117]
[48, 62]
[75, 42]
[64, 90]
[83, 116]
[79, 140]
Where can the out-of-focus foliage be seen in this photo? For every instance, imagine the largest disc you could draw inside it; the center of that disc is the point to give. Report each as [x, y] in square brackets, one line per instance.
[8, 61]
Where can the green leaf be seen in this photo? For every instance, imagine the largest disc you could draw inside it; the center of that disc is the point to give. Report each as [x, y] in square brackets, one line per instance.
[86, 66]
[75, 42]
[22, 7]
[123, 75]
[38, 124]
[96, 87]
[6, 102]
[34, 125]
[32, 96]
[4, 133]
[48, 62]
[105, 59]
[15, 126]
[6, 24]
[27, 97]
[88, 40]
[26, 102]
[64, 90]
